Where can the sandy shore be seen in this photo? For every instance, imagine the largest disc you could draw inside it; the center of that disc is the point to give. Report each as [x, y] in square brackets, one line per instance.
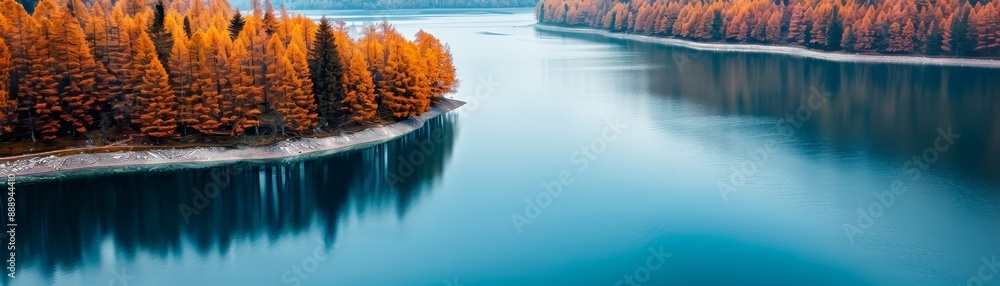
[48, 167]
[785, 50]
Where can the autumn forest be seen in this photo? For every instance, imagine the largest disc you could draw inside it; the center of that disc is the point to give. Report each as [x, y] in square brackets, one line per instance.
[931, 27]
[159, 70]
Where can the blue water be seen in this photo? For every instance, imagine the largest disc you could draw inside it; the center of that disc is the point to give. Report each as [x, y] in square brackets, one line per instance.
[579, 160]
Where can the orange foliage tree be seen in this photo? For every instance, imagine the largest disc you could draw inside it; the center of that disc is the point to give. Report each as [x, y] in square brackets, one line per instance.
[152, 68]
[890, 26]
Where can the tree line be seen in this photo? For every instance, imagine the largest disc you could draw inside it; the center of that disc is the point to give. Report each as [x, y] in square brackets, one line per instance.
[189, 67]
[932, 27]
[398, 4]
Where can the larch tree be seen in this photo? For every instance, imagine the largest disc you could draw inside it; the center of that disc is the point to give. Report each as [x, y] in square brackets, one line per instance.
[7, 105]
[204, 90]
[272, 76]
[19, 33]
[372, 44]
[774, 28]
[864, 34]
[797, 26]
[406, 92]
[252, 67]
[158, 118]
[45, 10]
[440, 71]
[393, 89]
[74, 71]
[822, 18]
[42, 86]
[181, 82]
[909, 35]
[147, 69]
[116, 56]
[297, 57]
[79, 11]
[245, 112]
[420, 85]
[359, 102]
[216, 95]
[105, 83]
[143, 54]
[298, 105]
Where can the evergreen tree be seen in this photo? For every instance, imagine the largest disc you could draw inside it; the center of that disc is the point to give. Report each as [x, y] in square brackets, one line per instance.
[934, 40]
[187, 27]
[835, 31]
[717, 26]
[236, 25]
[161, 37]
[962, 42]
[849, 40]
[326, 73]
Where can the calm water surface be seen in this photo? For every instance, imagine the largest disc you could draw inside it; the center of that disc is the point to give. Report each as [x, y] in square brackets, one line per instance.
[579, 160]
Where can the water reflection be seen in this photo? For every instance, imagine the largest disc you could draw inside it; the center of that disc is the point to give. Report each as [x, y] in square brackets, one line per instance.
[893, 110]
[162, 213]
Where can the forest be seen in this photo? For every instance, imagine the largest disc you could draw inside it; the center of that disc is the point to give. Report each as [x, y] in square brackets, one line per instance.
[965, 28]
[158, 71]
[396, 4]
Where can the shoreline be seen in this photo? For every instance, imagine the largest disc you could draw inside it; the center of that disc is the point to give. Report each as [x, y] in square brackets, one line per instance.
[51, 167]
[780, 50]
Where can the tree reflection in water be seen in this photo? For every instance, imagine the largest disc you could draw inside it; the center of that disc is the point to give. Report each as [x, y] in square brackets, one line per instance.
[65, 221]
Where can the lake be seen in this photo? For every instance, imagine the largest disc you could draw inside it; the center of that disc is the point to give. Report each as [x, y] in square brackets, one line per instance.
[579, 160]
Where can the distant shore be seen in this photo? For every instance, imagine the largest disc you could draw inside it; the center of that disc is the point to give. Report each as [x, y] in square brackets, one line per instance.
[123, 161]
[783, 50]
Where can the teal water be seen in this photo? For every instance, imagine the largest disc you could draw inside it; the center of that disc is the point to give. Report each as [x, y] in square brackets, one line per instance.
[579, 160]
